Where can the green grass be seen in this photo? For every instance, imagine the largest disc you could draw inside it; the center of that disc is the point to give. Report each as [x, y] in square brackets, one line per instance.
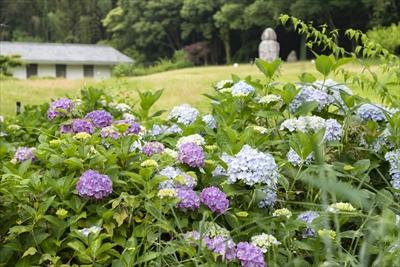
[181, 86]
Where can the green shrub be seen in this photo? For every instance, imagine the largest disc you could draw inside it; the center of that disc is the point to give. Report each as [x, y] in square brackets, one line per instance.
[388, 37]
[178, 61]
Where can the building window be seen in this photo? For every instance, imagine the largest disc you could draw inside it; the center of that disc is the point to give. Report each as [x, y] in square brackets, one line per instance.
[31, 70]
[61, 71]
[88, 70]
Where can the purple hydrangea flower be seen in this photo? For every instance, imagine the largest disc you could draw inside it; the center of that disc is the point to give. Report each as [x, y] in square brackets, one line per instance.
[109, 132]
[66, 128]
[249, 255]
[214, 199]
[79, 125]
[59, 107]
[133, 127]
[151, 148]
[100, 118]
[189, 200]
[23, 154]
[94, 185]
[191, 154]
[221, 245]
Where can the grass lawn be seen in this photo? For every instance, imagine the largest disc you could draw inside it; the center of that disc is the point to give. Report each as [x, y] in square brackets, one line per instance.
[181, 86]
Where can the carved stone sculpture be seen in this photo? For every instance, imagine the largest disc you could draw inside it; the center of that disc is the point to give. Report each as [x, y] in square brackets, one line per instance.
[269, 47]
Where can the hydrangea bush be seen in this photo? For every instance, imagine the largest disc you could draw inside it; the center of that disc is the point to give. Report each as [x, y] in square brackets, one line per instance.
[272, 175]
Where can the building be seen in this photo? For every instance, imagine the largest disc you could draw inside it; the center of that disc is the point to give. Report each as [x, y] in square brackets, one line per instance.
[69, 61]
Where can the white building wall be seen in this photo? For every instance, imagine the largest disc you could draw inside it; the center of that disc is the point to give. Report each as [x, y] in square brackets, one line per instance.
[102, 72]
[74, 72]
[19, 72]
[46, 70]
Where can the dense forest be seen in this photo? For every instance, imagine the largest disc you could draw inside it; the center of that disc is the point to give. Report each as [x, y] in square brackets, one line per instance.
[151, 29]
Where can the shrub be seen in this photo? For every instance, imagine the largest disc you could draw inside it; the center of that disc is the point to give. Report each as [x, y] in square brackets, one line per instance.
[388, 37]
[265, 183]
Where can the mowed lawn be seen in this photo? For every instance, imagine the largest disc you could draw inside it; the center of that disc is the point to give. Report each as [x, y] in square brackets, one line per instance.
[180, 86]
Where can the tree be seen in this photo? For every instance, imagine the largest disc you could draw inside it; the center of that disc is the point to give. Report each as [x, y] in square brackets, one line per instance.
[9, 62]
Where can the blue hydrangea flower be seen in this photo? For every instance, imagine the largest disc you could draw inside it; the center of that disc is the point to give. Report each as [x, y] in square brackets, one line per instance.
[242, 88]
[184, 114]
[209, 121]
[308, 216]
[393, 157]
[252, 167]
[164, 129]
[294, 158]
[335, 89]
[371, 112]
[79, 126]
[270, 197]
[333, 130]
[308, 94]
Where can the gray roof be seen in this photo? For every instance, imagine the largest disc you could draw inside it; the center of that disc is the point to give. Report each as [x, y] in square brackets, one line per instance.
[64, 53]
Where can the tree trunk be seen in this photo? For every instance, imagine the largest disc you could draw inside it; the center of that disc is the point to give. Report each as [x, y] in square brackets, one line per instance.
[227, 45]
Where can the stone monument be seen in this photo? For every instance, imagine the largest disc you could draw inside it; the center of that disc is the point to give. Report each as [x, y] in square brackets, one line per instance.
[269, 47]
[292, 57]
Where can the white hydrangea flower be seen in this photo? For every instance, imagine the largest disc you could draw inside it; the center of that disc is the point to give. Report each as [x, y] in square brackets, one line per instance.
[340, 206]
[122, 107]
[269, 99]
[171, 153]
[194, 138]
[129, 117]
[223, 84]
[260, 129]
[264, 241]
[184, 114]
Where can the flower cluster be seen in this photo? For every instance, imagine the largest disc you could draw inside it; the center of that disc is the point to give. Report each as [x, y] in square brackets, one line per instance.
[90, 230]
[371, 112]
[335, 89]
[100, 118]
[270, 99]
[188, 199]
[133, 127]
[264, 241]
[176, 179]
[109, 132]
[184, 114]
[209, 121]
[94, 185]
[308, 94]
[194, 138]
[333, 129]
[151, 148]
[252, 167]
[327, 233]
[249, 255]
[214, 199]
[59, 108]
[269, 199]
[164, 129]
[393, 157]
[340, 206]
[221, 245]
[191, 154]
[308, 216]
[166, 193]
[294, 158]
[284, 212]
[79, 126]
[242, 88]
[23, 154]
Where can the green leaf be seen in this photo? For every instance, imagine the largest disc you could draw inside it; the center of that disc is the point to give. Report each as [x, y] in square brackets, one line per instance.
[324, 65]
[268, 69]
[29, 252]
[306, 108]
[74, 163]
[306, 77]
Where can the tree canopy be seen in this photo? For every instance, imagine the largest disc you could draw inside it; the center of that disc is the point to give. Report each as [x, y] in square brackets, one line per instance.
[153, 29]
